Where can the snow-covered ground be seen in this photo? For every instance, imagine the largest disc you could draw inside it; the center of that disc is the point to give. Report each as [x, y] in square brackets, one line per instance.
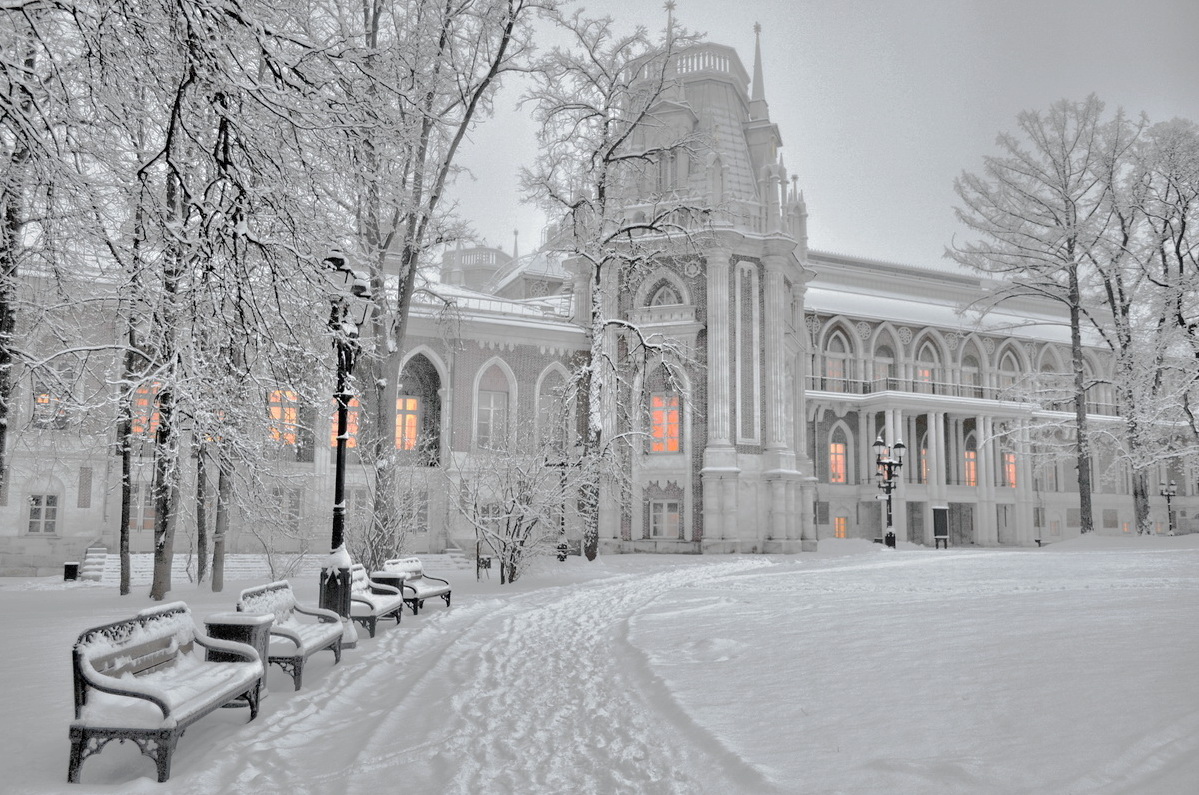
[1069, 669]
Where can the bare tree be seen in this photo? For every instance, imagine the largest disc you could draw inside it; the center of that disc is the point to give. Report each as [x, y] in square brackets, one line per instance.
[609, 178]
[412, 80]
[1039, 211]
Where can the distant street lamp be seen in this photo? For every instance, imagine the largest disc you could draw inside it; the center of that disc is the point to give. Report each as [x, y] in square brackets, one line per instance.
[350, 307]
[888, 462]
[1169, 492]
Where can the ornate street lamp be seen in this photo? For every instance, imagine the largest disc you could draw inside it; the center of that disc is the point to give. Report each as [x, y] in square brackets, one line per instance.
[888, 462]
[350, 306]
[1170, 492]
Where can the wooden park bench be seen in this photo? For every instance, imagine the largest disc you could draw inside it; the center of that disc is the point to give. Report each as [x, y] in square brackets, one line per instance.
[144, 680]
[418, 586]
[293, 639]
[370, 600]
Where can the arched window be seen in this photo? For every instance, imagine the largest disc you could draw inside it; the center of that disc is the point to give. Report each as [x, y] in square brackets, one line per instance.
[838, 456]
[491, 420]
[970, 461]
[928, 369]
[1009, 373]
[971, 376]
[836, 362]
[665, 295]
[884, 367]
[418, 410]
[553, 413]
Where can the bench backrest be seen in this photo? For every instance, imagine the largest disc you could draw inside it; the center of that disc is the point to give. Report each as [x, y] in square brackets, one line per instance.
[359, 581]
[410, 567]
[151, 640]
[274, 598]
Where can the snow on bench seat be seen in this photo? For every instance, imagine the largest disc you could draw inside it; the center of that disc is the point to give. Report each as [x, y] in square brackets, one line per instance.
[293, 638]
[370, 600]
[144, 680]
[418, 586]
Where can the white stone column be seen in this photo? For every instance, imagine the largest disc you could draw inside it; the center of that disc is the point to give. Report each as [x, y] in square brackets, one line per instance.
[719, 313]
[776, 398]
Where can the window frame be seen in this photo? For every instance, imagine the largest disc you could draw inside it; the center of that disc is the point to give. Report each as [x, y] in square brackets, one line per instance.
[665, 423]
[46, 505]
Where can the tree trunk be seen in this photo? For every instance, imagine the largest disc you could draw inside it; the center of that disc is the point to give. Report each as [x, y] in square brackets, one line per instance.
[1082, 439]
[224, 493]
[201, 513]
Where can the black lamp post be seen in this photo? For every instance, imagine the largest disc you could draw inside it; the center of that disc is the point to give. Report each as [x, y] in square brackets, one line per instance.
[350, 306]
[888, 461]
[1169, 492]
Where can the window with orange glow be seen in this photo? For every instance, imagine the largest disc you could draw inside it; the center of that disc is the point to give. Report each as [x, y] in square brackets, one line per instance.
[838, 462]
[352, 421]
[924, 465]
[840, 527]
[971, 468]
[1009, 469]
[145, 409]
[664, 423]
[284, 408]
[407, 422]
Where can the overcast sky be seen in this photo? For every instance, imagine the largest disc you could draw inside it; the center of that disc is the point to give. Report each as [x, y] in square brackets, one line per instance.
[881, 103]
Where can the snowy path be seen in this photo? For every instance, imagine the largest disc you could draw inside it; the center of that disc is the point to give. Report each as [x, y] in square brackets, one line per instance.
[547, 697]
[989, 672]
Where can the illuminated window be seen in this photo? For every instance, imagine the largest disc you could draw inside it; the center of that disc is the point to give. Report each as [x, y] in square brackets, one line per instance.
[840, 527]
[407, 422]
[43, 513]
[926, 369]
[284, 408]
[664, 518]
[924, 465]
[838, 463]
[145, 409]
[353, 421]
[664, 423]
[492, 424]
[971, 473]
[1009, 470]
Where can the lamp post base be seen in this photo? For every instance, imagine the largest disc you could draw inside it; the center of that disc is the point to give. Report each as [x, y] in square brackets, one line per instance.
[335, 596]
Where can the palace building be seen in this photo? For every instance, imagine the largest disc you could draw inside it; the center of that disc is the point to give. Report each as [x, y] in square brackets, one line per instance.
[802, 360]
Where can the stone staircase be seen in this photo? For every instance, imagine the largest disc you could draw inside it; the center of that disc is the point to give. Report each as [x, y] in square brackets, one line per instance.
[93, 564]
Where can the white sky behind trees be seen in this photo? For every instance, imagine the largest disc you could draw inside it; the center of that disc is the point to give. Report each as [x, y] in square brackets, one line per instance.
[881, 103]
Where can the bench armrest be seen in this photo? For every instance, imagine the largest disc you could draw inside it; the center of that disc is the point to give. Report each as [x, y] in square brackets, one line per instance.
[326, 616]
[383, 588]
[230, 646]
[121, 687]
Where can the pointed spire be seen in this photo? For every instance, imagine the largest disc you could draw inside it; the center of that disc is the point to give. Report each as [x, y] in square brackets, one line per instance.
[758, 108]
[759, 88]
[669, 6]
[515, 244]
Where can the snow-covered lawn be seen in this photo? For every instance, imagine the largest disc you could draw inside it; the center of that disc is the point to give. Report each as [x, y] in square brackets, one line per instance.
[1073, 668]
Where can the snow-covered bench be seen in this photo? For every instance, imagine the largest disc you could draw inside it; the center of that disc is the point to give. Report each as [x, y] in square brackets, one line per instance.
[418, 586]
[370, 600]
[143, 679]
[293, 639]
